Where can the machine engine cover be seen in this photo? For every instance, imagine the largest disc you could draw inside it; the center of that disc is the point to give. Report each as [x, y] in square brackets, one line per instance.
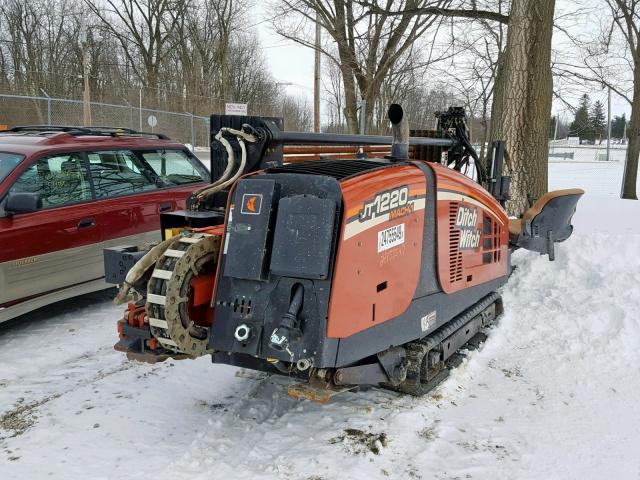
[303, 237]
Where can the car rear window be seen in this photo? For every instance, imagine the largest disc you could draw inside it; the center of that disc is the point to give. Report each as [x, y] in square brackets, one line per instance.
[8, 161]
[119, 172]
[175, 167]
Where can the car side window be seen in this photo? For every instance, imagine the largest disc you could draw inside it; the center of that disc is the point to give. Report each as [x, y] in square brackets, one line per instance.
[60, 179]
[119, 172]
[174, 167]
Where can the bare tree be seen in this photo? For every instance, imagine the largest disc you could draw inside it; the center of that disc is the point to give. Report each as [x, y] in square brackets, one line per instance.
[368, 42]
[482, 43]
[211, 53]
[144, 29]
[334, 97]
[410, 83]
[522, 93]
[297, 113]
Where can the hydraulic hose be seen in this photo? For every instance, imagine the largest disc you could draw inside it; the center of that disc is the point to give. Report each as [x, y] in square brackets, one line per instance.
[289, 329]
[228, 167]
[471, 151]
[149, 260]
[243, 163]
[296, 300]
[139, 270]
[224, 181]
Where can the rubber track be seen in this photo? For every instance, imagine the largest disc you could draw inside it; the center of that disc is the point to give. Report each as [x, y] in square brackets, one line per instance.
[417, 350]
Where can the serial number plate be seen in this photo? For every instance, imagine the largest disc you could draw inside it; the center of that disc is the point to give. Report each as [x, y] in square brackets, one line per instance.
[390, 237]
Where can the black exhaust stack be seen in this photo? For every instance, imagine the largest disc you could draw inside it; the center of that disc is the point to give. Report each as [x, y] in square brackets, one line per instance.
[400, 132]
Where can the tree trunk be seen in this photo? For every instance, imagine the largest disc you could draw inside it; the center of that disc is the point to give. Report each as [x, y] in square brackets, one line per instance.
[350, 99]
[522, 115]
[630, 175]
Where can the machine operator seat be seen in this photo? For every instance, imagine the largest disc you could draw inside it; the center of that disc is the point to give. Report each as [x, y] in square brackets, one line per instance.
[546, 222]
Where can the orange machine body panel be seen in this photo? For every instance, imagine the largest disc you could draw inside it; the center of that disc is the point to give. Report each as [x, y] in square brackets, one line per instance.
[378, 259]
[472, 232]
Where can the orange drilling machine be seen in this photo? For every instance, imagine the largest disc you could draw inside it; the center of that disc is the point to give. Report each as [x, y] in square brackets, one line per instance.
[340, 260]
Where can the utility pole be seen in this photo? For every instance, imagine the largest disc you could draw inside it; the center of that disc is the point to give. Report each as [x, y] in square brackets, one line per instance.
[608, 123]
[86, 97]
[316, 79]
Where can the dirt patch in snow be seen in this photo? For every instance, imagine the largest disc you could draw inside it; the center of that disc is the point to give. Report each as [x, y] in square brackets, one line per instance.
[360, 442]
[20, 418]
[428, 433]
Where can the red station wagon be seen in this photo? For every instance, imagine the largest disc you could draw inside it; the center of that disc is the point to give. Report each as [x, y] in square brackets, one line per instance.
[66, 193]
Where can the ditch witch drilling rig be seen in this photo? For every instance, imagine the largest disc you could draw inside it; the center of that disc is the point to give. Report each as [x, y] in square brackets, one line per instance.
[340, 260]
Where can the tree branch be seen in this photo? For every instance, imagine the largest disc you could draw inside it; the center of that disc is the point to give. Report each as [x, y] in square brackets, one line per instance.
[445, 12]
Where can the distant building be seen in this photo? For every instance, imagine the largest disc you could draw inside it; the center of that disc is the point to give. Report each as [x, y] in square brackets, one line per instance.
[573, 141]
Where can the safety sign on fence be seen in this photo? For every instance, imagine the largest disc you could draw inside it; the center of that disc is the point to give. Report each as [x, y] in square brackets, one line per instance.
[235, 109]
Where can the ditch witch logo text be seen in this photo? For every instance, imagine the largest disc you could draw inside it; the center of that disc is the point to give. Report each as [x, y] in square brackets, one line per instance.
[469, 232]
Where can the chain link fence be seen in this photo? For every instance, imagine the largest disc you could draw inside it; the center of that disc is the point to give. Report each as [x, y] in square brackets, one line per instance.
[31, 110]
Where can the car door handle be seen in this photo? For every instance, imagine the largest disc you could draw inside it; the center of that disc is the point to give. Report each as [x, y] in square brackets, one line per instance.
[86, 223]
[82, 224]
[165, 207]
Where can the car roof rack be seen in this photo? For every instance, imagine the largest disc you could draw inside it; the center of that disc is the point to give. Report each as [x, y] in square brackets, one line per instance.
[79, 131]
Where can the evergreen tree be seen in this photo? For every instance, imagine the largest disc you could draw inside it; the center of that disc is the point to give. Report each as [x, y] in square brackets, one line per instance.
[618, 125]
[598, 121]
[581, 126]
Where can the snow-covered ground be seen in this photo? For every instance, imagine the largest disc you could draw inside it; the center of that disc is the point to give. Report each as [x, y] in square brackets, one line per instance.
[553, 393]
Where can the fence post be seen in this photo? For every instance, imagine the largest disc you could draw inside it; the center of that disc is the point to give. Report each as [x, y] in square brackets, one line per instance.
[48, 106]
[193, 138]
[130, 113]
[140, 98]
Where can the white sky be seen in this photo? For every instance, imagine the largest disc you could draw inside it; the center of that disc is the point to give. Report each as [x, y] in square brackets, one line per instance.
[291, 63]
[288, 62]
